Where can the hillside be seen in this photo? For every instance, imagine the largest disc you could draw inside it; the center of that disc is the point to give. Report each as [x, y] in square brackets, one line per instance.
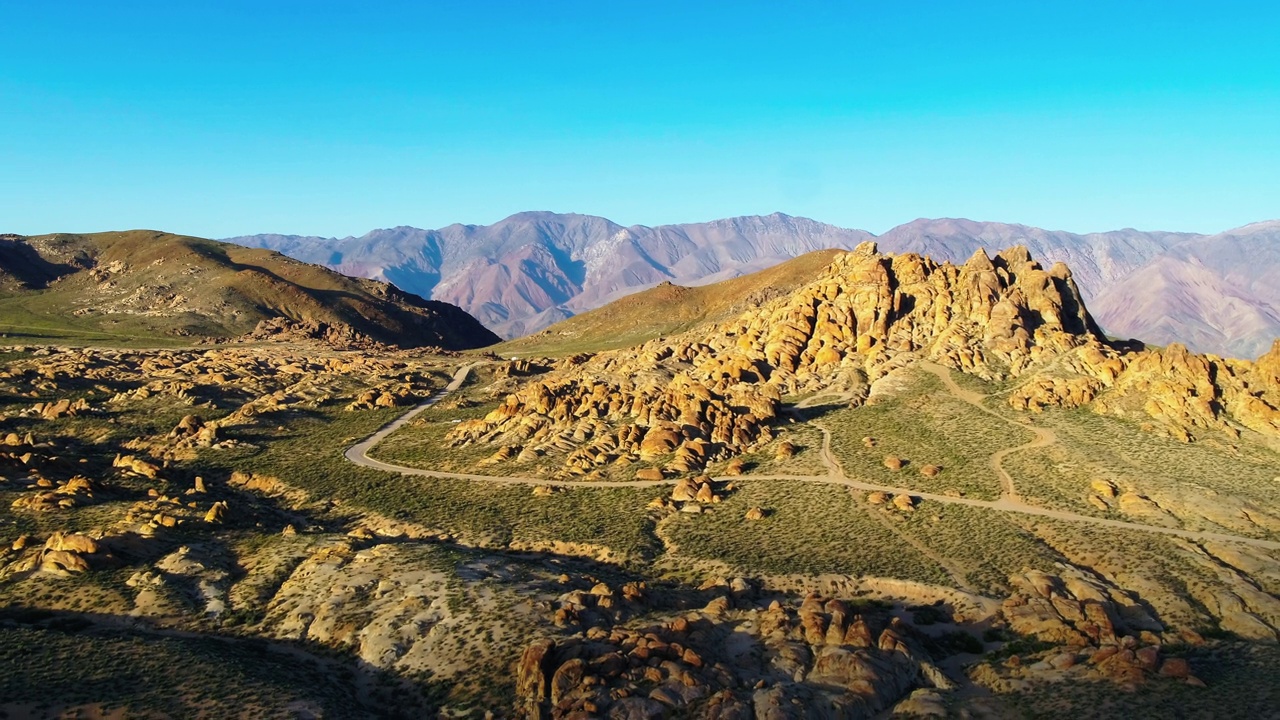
[668, 309]
[141, 285]
[961, 426]
[1216, 294]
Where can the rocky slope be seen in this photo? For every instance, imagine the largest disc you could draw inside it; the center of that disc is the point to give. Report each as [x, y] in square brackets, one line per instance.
[198, 500]
[148, 284]
[713, 392]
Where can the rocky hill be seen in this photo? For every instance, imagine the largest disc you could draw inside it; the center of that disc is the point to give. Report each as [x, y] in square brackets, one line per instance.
[518, 276]
[713, 392]
[1212, 293]
[145, 284]
[1097, 260]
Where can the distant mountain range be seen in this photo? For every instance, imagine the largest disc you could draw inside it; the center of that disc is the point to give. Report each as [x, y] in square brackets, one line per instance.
[1214, 293]
[534, 269]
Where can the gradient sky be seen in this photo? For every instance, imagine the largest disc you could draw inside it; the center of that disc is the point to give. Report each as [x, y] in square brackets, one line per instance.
[333, 118]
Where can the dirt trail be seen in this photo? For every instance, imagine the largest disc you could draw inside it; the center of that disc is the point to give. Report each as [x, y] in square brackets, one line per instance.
[829, 459]
[1044, 437]
[835, 475]
[958, 573]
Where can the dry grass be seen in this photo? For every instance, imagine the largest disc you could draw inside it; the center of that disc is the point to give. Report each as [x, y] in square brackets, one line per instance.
[808, 528]
[923, 424]
[1212, 484]
[1240, 679]
[64, 664]
[984, 543]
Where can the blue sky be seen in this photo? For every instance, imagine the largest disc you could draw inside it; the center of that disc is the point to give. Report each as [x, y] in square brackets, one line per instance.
[334, 118]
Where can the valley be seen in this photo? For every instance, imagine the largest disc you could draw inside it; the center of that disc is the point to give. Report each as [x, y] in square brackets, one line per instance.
[891, 486]
[458, 361]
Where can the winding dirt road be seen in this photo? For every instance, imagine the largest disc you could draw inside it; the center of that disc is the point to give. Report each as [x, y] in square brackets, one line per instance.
[1008, 502]
[1044, 436]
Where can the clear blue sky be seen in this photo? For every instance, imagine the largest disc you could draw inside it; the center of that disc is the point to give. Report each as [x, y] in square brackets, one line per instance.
[223, 118]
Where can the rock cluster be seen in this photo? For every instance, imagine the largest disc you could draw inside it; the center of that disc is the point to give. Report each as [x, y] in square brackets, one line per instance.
[65, 553]
[282, 329]
[1180, 393]
[193, 431]
[597, 422]
[1096, 629]
[74, 492]
[713, 393]
[521, 367]
[59, 409]
[384, 397]
[256, 382]
[733, 659]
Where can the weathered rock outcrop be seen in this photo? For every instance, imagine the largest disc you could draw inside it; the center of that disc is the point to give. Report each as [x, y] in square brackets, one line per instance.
[727, 662]
[1179, 392]
[714, 392]
[1092, 630]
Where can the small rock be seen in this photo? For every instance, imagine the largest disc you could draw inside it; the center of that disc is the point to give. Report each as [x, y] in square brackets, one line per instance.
[717, 606]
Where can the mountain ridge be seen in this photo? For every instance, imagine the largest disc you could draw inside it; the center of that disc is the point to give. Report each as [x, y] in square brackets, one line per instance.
[512, 273]
[533, 269]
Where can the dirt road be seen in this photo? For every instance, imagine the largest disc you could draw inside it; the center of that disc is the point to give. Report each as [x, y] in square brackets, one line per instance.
[1009, 502]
